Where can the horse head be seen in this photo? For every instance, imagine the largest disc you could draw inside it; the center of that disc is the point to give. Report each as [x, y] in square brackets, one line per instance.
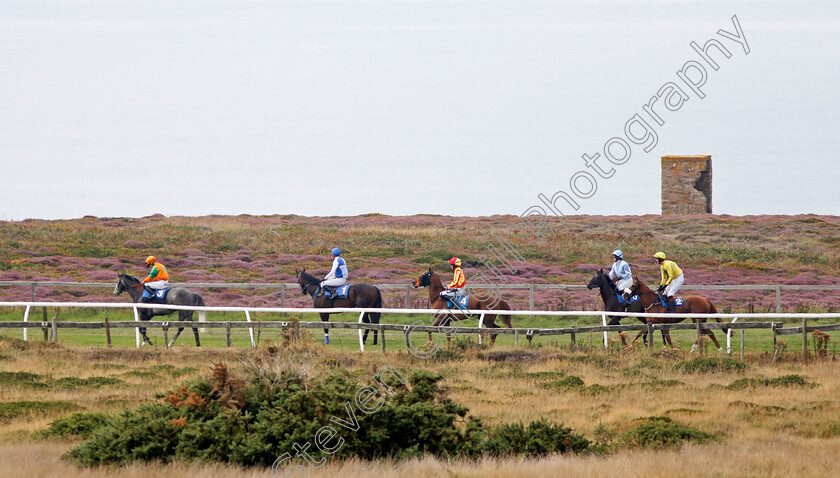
[305, 280]
[596, 280]
[425, 279]
[120, 287]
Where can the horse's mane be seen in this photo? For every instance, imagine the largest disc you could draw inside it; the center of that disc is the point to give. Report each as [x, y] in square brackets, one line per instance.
[130, 277]
[308, 278]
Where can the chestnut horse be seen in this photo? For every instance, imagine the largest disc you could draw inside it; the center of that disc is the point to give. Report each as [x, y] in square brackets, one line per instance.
[691, 304]
[432, 281]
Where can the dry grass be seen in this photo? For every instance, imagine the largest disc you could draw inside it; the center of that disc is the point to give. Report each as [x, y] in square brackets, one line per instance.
[764, 430]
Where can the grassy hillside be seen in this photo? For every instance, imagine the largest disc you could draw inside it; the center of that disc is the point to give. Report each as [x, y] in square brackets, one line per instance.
[382, 249]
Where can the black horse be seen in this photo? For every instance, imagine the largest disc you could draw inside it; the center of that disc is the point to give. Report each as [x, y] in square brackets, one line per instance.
[134, 287]
[358, 295]
[609, 295]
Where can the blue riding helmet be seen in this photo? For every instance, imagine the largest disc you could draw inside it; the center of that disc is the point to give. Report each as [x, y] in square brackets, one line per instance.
[336, 251]
[618, 253]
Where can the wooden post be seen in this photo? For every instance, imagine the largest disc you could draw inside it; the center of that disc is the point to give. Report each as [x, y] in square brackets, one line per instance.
[55, 327]
[107, 332]
[166, 336]
[650, 335]
[699, 334]
[531, 298]
[382, 336]
[742, 345]
[282, 300]
[516, 338]
[530, 336]
[574, 338]
[778, 299]
[45, 326]
[227, 333]
[804, 339]
[408, 296]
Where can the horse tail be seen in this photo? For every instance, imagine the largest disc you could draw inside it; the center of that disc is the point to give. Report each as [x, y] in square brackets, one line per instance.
[374, 316]
[505, 317]
[713, 310]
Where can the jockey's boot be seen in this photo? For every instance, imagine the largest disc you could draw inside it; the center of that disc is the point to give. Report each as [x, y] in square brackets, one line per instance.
[626, 295]
[329, 291]
[670, 301]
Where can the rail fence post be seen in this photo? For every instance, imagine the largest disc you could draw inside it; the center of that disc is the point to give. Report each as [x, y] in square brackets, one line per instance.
[729, 338]
[408, 297]
[282, 299]
[604, 323]
[107, 332]
[742, 345]
[650, 332]
[804, 339]
[699, 335]
[136, 330]
[26, 319]
[165, 327]
[251, 329]
[778, 299]
[55, 327]
[227, 332]
[361, 341]
[382, 336]
[531, 297]
[480, 323]
[574, 338]
[516, 338]
[45, 327]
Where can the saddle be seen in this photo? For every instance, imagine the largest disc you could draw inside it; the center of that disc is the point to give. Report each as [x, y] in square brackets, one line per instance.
[460, 302]
[622, 300]
[677, 301]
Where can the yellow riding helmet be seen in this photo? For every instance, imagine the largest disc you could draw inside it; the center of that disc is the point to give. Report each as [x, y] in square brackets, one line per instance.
[455, 261]
[659, 255]
[150, 260]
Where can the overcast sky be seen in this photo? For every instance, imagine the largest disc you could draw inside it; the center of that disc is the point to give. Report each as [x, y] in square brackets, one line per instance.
[118, 108]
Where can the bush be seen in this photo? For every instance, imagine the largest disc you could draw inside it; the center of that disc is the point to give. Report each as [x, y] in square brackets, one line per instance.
[79, 424]
[661, 432]
[711, 365]
[537, 439]
[783, 381]
[253, 422]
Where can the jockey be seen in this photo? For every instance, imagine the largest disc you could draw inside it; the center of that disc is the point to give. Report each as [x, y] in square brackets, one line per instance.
[672, 279]
[621, 274]
[157, 279]
[339, 273]
[456, 287]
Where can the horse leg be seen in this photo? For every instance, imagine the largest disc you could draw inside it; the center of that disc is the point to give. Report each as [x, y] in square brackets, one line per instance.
[637, 337]
[666, 336]
[366, 320]
[714, 339]
[491, 324]
[145, 318]
[326, 318]
[189, 317]
[373, 318]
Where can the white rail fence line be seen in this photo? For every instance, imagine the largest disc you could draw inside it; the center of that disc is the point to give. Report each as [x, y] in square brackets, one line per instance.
[776, 327]
[531, 288]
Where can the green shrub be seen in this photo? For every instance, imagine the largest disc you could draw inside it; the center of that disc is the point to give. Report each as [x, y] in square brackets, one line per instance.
[79, 424]
[711, 365]
[228, 419]
[661, 432]
[537, 439]
[76, 382]
[792, 380]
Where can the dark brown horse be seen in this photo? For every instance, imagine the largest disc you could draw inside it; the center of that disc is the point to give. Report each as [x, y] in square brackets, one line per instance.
[692, 304]
[611, 303]
[432, 281]
[358, 295]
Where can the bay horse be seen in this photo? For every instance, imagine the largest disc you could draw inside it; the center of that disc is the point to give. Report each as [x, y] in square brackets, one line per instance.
[691, 304]
[431, 280]
[609, 295]
[175, 296]
[358, 295]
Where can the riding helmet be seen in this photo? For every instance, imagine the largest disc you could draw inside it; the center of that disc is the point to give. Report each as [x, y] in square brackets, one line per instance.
[659, 255]
[618, 253]
[336, 251]
[150, 260]
[455, 261]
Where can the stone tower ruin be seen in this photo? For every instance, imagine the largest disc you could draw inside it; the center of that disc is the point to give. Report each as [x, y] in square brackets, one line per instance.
[686, 184]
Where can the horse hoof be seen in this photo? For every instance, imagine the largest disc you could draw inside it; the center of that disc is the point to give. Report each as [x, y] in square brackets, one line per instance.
[326, 340]
[694, 348]
[720, 350]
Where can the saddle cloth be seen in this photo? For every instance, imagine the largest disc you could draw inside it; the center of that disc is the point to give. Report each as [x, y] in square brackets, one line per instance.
[340, 292]
[633, 298]
[460, 302]
[677, 301]
[158, 295]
